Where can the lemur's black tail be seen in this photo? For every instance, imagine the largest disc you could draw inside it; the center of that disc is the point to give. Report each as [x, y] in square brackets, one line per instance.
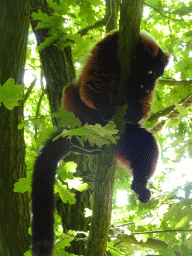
[43, 199]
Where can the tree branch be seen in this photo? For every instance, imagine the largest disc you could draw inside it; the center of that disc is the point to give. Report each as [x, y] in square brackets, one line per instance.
[110, 19]
[161, 13]
[161, 231]
[29, 90]
[38, 107]
[129, 27]
[97, 24]
[169, 112]
[150, 243]
[174, 82]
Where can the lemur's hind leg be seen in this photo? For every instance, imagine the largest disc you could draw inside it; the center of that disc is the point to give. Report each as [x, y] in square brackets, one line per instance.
[139, 148]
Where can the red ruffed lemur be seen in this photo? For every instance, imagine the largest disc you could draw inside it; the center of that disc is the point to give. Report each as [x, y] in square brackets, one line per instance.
[93, 98]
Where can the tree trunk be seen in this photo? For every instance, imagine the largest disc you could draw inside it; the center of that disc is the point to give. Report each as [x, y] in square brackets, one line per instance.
[14, 210]
[102, 204]
[57, 65]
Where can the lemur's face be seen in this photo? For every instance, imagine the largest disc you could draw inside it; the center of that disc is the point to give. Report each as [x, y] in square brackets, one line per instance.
[150, 69]
[147, 67]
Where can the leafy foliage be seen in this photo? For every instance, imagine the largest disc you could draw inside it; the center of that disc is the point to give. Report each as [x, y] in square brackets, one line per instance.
[95, 134]
[67, 119]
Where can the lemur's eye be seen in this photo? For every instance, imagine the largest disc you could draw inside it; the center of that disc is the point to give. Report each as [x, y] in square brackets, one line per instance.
[150, 72]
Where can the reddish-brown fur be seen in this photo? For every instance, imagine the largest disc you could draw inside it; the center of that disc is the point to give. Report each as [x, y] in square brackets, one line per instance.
[93, 70]
[146, 104]
[155, 160]
[122, 162]
[68, 99]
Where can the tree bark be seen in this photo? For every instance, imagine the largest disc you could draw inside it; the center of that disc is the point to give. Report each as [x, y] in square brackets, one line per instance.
[129, 27]
[14, 213]
[102, 204]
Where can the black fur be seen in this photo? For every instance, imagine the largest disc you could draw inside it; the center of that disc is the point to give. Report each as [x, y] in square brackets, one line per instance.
[140, 148]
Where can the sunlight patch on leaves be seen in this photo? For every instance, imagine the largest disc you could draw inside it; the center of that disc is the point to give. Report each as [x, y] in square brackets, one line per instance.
[78, 184]
[142, 237]
[11, 93]
[66, 171]
[181, 109]
[66, 174]
[179, 214]
[70, 167]
[64, 193]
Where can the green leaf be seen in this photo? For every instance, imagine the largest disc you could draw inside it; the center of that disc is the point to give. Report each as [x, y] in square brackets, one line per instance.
[78, 184]
[48, 41]
[141, 237]
[21, 125]
[10, 93]
[64, 193]
[181, 109]
[65, 242]
[67, 119]
[70, 167]
[44, 24]
[40, 15]
[188, 34]
[62, 7]
[27, 253]
[179, 214]
[98, 135]
[80, 141]
[23, 185]
[66, 172]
